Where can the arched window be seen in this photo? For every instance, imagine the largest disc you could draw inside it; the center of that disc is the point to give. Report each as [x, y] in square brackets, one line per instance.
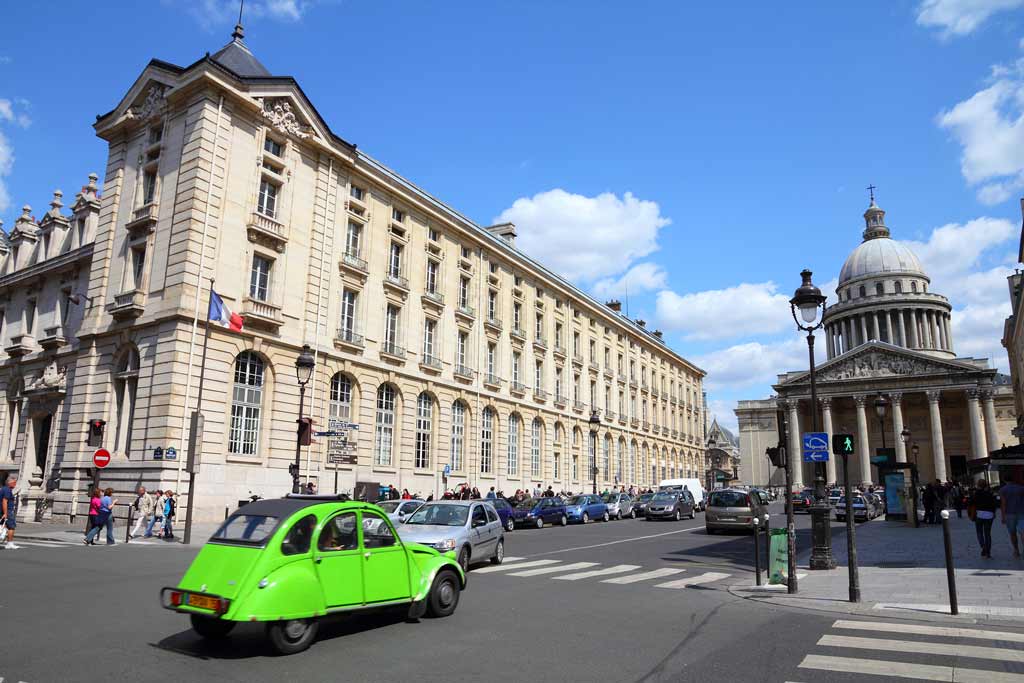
[341, 397]
[486, 441]
[384, 426]
[246, 404]
[863, 292]
[535, 445]
[424, 430]
[913, 287]
[879, 289]
[898, 287]
[458, 436]
[512, 464]
[126, 381]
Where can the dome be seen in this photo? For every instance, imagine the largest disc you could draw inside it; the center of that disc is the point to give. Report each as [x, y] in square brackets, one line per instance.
[879, 256]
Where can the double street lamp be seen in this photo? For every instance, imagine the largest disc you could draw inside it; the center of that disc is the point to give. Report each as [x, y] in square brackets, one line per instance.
[809, 300]
[905, 435]
[595, 424]
[304, 366]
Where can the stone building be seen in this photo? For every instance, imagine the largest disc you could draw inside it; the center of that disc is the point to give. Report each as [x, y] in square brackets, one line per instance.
[886, 335]
[1013, 338]
[721, 456]
[435, 338]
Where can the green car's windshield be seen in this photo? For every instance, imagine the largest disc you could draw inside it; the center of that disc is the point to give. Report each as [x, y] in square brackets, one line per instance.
[389, 506]
[440, 514]
[247, 529]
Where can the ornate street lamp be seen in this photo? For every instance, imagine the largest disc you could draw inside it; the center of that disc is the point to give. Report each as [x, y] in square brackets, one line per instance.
[304, 366]
[905, 436]
[809, 300]
[595, 424]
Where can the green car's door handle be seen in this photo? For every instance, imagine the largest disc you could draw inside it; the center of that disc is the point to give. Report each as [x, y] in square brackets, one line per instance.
[318, 559]
[367, 554]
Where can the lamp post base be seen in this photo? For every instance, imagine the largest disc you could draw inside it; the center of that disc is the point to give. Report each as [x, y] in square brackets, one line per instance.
[821, 535]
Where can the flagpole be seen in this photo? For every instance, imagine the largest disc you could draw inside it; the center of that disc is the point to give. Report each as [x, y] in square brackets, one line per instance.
[199, 408]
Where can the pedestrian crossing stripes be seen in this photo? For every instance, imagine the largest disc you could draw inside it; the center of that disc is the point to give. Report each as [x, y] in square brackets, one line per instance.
[53, 543]
[620, 574]
[997, 660]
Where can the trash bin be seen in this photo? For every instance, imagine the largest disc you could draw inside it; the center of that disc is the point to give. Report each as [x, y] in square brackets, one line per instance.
[778, 556]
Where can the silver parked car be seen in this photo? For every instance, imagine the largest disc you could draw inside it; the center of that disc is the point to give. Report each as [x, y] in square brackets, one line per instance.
[398, 510]
[671, 505]
[619, 505]
[732, 509]
[470, 528]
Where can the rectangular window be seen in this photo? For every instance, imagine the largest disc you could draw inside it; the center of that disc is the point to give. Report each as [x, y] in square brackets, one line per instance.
[138, 266]
[558, 382]
[517, 316]
[466, 253]
[429, 335]
[460, 351]
[575, 387]
[593, 351]
[353, 239]
[576, 343]
[492, 305]
[348, 313]
[267, 204]
[395, 260]
[424, 419]
[259, 278]
[620, 366]
[148, 187]
[273, 146]
[593, 395]
[433, 235]
[81, 231]
[30, 317]
[491, 358]
[156, 134]
[538, 376]
[539, 328]
[65, 306]
[432, 267]
[464, 292]
[397, 216]
[558, 335]
[356, 192]
[391, 327]
[516, 358]
[486, 441]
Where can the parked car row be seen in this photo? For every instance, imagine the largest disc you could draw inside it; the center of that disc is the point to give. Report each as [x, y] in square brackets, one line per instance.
[865, 508]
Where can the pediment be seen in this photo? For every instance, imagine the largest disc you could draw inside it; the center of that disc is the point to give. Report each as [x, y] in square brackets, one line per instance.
[285, 116]
[878, 360]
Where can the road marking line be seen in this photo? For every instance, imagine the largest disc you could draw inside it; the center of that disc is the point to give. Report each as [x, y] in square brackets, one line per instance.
[973, 651]
[553, 570]
[513, 559]
[893, 627]
[42, 544]
[693, 580]
[655, 574]
[944, 608]
[617, 569]
[928, 672]
[623, 540]
[516, 565]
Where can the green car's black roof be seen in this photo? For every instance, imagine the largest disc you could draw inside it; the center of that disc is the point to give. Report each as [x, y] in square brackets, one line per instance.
[285, 507]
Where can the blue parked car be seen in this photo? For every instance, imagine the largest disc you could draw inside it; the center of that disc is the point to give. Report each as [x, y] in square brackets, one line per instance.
[504, 510]
[538, 511]
[585, 508]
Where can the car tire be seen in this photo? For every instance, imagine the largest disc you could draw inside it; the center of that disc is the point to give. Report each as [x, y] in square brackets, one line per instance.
[464, 558]
[564, 520]
[606, 517]
[586, 517]
[499, 552]
[632, 514]
[692, 514]
[290, 637]
[540, 522]
[678, 516]
[444, 594]
[210, 628]
[510, 525]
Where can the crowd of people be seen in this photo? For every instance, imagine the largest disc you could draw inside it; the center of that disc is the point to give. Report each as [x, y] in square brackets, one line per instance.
[466, 492]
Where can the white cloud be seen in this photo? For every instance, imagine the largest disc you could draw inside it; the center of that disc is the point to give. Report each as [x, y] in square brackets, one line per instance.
[6, 164]
[5, 59]
[9, 112]
[753, 363]
[723, 411]
[743, 310]
[955, 250]
[585, 238]
[989, 125]
[643, 277]
[960, 17]
[221, 15]
[978, 330]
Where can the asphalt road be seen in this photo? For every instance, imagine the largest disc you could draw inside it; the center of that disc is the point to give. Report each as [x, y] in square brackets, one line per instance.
[76, 613]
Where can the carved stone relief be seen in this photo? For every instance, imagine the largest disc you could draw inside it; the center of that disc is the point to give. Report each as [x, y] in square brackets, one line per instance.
[278, 111]
[153, 106]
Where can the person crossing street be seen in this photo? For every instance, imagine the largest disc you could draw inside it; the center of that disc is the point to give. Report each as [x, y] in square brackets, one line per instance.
[9, 512]
[143, 511]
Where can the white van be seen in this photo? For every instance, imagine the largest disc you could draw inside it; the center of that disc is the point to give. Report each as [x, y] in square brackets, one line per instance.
[694, 485]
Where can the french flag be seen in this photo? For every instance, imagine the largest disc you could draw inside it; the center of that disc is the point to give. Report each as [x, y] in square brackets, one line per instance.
[222, 315]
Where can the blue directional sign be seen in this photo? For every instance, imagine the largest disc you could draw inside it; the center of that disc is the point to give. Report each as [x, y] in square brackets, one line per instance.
[815, 446]
[447, 470]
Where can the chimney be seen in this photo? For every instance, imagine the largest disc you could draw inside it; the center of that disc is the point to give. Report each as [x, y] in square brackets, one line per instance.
[615, 305]
[641, 323]
[506, 231]
[658, 334]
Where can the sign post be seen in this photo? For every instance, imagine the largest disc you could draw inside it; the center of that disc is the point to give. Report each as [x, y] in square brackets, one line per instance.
[101, 458]
[843, 445]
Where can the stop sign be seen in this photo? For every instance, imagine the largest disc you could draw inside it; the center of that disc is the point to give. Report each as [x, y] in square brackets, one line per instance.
[101, 458]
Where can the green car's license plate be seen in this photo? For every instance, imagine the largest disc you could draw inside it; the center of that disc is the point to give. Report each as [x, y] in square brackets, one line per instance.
[201, 601]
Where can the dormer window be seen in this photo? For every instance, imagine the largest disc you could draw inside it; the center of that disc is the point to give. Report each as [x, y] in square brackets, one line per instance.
[273, 146]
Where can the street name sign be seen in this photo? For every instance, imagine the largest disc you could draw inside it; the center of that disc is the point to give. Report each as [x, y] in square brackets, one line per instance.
[815, 446]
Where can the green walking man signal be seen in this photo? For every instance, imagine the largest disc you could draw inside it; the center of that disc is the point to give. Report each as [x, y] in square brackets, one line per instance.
[842, 444]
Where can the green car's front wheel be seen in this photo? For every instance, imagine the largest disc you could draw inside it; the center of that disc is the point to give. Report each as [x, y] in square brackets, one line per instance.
[210, 628]
[444, 594]
[294, 635]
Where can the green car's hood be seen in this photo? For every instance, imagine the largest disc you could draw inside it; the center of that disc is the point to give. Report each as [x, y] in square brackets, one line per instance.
[220, 569]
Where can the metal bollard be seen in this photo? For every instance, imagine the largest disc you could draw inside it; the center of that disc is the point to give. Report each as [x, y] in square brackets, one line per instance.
[950, 574]
[757, 551]
[128, 526]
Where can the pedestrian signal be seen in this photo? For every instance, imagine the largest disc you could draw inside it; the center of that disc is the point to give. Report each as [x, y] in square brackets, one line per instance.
[842, 444]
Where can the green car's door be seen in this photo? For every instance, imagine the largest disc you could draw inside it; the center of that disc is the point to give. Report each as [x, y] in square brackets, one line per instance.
[339, 561]
[385, 563]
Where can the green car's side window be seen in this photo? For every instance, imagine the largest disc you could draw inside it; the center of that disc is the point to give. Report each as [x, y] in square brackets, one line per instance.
[376, 532]
[339, 533]
[299, 537]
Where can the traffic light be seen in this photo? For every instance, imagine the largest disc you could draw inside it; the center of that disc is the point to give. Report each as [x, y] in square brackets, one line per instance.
[842, 444]
[293, 470]
[305, 431]
[777, 455]
[96, 433]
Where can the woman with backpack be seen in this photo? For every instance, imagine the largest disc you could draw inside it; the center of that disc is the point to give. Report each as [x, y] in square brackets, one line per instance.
[170, 505]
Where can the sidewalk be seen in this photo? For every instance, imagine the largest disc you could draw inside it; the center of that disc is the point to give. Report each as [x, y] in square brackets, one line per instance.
[902, 573]
[63, 532]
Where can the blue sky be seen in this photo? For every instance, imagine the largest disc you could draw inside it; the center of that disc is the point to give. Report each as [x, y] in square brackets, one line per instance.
[705, 151]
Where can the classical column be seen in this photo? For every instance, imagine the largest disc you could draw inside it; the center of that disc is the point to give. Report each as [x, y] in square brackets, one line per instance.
[896, 398]
[795, 443]
[989, 407]
[876, 333]
[863, 448]
[933, 329]
[938, 451]
[949, 333]
[912, 324]
[977, 434]
[851, 340]
[902, 329]
[863, 328]
[940, 323]
[826, 421]
[829, 348]
[890, 328]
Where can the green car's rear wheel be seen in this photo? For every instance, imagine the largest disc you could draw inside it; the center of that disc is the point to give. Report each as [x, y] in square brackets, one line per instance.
[295, 635]
[444, 594]
[211, 628]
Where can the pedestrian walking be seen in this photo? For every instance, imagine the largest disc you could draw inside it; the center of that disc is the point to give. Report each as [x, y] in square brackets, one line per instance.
[491, 495]
[104, 519]
[982, 510]
[9, 511]
[170, 505]
[930, 498]
[1011, 495]
[95, 496]
[143, 511]
[157, 519]
[310, 488]
[958, 500]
